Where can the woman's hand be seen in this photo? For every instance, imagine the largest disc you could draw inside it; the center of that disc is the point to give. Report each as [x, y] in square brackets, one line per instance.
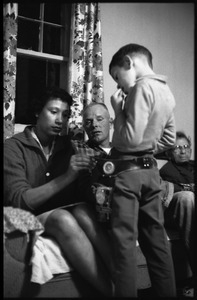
[80, 162]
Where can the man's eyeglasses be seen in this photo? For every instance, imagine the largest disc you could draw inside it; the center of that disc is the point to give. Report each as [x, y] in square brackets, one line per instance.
[179, 148]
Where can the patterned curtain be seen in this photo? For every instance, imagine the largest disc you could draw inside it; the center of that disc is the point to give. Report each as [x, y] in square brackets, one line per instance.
[10, 12]
[85, 66]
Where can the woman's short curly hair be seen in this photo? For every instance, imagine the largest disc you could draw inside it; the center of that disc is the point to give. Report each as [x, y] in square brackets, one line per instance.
[48, 94]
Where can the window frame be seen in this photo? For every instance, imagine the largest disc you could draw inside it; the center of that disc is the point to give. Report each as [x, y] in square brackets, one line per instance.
[41, 55]
[28, 53]
[66, 11]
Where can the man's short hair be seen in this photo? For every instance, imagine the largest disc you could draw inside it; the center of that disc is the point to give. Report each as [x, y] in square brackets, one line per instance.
[94, 104]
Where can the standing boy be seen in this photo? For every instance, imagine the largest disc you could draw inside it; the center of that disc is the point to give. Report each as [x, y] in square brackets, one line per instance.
[144, 125]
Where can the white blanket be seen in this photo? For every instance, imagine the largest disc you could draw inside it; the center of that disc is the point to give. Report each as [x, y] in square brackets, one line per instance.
[47, 260]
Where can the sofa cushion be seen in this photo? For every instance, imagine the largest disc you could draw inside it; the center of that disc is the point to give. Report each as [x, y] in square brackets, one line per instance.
[16, 271]
[18, 246]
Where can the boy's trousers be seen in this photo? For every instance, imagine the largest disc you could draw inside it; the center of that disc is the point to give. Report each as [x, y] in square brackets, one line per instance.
[137, 214]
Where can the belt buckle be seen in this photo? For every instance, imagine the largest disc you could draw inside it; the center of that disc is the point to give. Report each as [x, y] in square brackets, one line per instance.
[146, 162]
[108, 167]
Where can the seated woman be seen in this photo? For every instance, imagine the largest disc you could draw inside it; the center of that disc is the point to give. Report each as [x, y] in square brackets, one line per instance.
[179, 170]
[41, 175]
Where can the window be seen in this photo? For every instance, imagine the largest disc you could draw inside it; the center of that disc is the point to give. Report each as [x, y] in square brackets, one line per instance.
[42, 52]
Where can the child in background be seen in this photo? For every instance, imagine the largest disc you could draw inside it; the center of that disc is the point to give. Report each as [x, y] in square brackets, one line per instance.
[144, 125]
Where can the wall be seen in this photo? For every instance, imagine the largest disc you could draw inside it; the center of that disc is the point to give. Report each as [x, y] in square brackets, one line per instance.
[167, 30]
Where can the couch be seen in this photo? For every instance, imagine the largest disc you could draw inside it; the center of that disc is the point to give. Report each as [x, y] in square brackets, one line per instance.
[19, 239]
[18, 246]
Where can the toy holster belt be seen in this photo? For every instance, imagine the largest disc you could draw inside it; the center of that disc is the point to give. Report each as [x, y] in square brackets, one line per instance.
[112, 167]
[109, 168]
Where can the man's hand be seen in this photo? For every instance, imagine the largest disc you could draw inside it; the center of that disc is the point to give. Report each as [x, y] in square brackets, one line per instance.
[117, 100]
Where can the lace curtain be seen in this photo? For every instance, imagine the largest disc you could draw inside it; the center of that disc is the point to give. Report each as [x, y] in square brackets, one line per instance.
[86, 68]
[9, 63]
[85, 65]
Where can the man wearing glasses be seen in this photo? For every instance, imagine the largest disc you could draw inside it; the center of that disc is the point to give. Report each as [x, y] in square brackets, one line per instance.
[179, 170]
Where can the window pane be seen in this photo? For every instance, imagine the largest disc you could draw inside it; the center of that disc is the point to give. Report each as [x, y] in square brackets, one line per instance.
[28, 35]
[30, 10]
[53, 73]
[51, 41]
[54, 40]
[52, 12]
[32, 76]
[66, 16]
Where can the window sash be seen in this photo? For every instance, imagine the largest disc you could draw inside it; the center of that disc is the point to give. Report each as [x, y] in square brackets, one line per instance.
[41, 55]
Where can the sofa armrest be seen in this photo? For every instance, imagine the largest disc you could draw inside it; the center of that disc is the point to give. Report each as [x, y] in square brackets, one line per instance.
[161, 163]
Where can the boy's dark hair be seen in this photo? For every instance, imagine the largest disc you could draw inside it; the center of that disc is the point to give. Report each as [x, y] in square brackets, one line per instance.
[132, 50]
[51, 93]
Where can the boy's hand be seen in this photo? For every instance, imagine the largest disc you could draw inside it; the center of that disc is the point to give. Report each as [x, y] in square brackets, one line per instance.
[117, 100]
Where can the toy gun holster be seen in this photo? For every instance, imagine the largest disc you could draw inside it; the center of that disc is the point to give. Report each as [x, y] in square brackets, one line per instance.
[108, 169]
[102, 190]
[102, 195]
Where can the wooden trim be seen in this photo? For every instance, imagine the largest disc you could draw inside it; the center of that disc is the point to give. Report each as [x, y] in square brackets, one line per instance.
[39, 21]
[39, 55]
